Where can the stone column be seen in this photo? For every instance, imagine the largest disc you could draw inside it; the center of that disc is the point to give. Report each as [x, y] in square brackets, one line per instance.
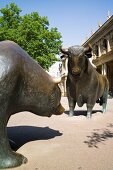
[108, 44]
[64, 73]
[64, 67]
[104, 69]
[99, 50]
[65, 91]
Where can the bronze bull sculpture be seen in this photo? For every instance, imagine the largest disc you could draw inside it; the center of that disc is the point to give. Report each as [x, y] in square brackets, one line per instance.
[84, 84]
[24, 86]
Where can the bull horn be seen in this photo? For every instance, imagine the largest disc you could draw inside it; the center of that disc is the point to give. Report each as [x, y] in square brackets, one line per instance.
[88, 49]
[57, 80]
[64, 50]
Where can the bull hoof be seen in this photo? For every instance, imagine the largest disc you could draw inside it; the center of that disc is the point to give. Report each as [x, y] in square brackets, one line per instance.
[103, 110]
[70, 114]
[12, 160]
[89, 116]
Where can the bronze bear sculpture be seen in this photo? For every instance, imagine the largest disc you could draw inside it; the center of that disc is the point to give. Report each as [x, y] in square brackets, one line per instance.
[24, 86]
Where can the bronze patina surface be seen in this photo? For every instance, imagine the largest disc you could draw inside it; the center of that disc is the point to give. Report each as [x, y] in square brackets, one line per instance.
[24, 86]
[84, 83]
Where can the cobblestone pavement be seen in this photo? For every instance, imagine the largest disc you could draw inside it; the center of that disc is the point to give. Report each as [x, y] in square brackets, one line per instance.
[63, 142]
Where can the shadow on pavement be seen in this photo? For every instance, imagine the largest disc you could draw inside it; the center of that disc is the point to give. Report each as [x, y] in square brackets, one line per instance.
[19, 135]
[82, 112]
[98, 136]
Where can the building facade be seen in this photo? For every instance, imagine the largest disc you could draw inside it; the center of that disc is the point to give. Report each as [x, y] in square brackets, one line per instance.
[102, 53]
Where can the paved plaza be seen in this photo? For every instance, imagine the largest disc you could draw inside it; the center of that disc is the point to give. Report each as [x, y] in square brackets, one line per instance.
[63, 142]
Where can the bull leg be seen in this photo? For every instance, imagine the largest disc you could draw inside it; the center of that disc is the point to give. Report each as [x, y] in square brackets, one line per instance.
[71, 102]
[104, 107]
[104, 101]
[8, 158]
[71, 106]
[89, 110]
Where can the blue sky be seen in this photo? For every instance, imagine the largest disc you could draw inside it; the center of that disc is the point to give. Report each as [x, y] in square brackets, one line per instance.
[75, 19]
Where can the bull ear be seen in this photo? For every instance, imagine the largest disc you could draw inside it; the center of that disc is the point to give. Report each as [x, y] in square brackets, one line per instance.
[64, 51]
[88, 51]
[63, 56]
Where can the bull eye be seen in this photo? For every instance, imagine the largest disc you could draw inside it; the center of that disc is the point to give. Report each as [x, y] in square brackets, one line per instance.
[70, 59]
[69, 56]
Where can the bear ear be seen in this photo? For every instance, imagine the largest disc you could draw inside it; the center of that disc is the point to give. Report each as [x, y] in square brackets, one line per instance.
[88, 51]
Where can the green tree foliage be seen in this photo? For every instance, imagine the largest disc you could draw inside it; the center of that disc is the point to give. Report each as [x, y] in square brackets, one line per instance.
[32, 33]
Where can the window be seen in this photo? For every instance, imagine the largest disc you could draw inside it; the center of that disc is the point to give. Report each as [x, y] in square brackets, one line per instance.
[96, 51]
[105, 44]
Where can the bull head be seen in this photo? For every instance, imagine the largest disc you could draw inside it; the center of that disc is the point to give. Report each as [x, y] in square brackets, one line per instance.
[76, 58]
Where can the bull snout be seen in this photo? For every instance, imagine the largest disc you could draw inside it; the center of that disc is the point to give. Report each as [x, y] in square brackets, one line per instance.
[59, 110]
[76, 71]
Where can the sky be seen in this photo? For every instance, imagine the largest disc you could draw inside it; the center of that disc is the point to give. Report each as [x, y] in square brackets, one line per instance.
[74, 19]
